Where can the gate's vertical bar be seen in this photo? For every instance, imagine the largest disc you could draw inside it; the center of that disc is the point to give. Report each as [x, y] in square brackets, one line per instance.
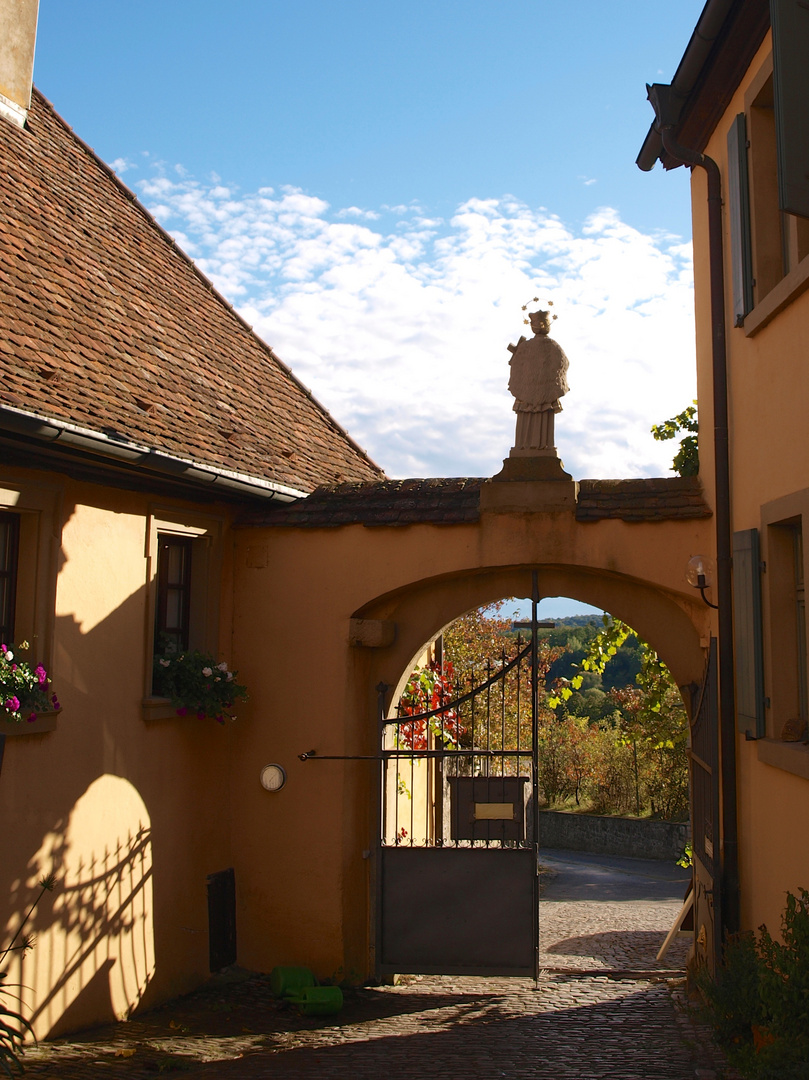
[535, 761]
[381, 827]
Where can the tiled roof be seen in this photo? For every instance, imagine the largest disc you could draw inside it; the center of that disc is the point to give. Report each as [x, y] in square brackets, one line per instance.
[106, 324]
[388, 502]
[457, 501]
[654, 499]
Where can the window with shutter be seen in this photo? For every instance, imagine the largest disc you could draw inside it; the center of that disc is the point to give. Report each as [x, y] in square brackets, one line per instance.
[750, 715]
[739, 209]
[790, 33]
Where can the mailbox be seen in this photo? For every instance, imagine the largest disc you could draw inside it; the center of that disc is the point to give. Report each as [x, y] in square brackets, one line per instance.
[487, 807]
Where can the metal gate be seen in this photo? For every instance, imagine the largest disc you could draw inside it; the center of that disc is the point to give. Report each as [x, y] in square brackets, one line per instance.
[704, 760]
[457, 871]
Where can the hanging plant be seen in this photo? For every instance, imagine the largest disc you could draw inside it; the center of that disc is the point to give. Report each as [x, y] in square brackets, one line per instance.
[195, 683]
[23, 687]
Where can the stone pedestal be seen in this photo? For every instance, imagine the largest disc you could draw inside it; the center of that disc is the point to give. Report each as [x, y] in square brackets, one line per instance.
[533, 480]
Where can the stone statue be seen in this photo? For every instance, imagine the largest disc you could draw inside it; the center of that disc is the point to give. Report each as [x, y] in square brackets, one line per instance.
[537, 381]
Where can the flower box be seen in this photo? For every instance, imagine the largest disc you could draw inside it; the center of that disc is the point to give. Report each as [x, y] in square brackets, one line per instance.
[45, 721]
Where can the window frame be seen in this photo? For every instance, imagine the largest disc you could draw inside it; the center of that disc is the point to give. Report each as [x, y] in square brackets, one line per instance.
[37, 505]
[779, 521]
[779, 240]
[9, 573]
[205, 535]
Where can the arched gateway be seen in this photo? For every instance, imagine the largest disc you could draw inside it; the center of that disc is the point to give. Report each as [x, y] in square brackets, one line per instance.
[372, 571]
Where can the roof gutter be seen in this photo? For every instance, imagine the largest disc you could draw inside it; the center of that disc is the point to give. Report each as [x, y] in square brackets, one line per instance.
[46, 430]
[667, 107]
[687, 74]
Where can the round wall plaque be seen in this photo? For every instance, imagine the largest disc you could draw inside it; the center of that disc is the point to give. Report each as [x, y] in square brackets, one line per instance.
[273, 777]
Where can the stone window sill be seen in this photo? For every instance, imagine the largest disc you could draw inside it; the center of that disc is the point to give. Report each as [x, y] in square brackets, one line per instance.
[788, 289]
[158, 708]
[790, 756]
[45, 721]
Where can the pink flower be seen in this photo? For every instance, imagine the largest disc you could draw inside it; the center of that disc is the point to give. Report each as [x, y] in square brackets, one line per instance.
[181, 711]
[55, 701]
[41, 674]
[12, 704]
[32, 718]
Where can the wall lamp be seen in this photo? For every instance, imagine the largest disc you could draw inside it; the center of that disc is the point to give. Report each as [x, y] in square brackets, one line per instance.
[699, 573]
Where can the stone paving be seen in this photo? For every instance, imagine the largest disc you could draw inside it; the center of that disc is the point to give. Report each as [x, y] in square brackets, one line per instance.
[588, 935]
[599, 1011]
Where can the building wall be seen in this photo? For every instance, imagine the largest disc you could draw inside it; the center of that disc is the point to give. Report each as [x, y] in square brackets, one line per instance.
[307, 850]
[769, 453]
[129, 813]
[131, 807]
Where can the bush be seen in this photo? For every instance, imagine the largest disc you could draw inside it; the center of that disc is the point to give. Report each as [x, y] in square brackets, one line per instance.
[759, 1003]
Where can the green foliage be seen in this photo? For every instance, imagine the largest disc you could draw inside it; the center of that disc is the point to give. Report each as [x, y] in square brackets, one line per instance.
[639, 758]
[612, 727]
[196, 683]
[686, 460]
[759, 1003]
[686, 860]
[23, 687]
[734, 1001]
[12, 1032]
[13, 1025]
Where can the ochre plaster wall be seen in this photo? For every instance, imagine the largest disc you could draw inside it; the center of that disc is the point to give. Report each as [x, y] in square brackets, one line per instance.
[305, 850]
[129, 815]
[768, 387]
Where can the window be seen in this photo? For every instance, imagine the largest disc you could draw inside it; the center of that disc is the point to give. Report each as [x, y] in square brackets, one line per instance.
[800, 619]
[173, 594]
[785, 571]
[750, 715]
[29, 555]
[768, 175]
[9, 548]
[29, 543]
[184, 556]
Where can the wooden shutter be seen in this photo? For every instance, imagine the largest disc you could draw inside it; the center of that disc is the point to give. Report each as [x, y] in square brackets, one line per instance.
[790, 33]
[741, 252]
[747, 633]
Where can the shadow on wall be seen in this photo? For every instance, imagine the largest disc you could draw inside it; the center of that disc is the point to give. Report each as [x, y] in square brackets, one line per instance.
[126, 814]
[94, 948]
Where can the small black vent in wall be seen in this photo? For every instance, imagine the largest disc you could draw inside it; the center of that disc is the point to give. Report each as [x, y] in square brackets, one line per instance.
[222, 919]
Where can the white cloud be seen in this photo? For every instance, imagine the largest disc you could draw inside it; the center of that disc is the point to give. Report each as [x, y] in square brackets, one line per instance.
[399, 321]
[121, 165]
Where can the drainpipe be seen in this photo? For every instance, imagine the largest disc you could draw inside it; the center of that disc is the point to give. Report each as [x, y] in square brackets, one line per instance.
[667, 103]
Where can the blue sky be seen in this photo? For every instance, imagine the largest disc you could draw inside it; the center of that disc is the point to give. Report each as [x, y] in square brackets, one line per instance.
[374, 102]
[379, 188]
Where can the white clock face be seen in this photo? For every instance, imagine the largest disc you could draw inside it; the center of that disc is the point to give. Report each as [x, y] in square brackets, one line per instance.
[273, 777]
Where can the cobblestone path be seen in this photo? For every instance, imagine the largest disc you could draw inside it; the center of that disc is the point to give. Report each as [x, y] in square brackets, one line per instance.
[577, 1027]
[604, 1008]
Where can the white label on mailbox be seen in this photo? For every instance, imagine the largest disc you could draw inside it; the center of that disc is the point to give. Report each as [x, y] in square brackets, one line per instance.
[494, 811]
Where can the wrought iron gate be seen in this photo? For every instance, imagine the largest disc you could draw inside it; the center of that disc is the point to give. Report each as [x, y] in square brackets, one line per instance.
[457, 871]
[704, 759]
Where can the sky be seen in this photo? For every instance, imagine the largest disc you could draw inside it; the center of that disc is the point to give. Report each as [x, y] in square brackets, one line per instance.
[379, 188]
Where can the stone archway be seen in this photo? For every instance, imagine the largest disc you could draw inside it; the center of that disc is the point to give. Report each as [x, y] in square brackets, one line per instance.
[420, 612]
[358, 577]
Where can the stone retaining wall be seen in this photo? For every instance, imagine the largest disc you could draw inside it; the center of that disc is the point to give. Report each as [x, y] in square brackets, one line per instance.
[639, 839]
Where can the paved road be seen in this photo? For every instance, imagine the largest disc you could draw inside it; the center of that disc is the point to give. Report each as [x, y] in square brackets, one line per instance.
[580, 875]
[607, 913]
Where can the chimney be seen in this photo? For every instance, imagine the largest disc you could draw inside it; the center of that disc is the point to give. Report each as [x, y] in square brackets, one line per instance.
[18, 31]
